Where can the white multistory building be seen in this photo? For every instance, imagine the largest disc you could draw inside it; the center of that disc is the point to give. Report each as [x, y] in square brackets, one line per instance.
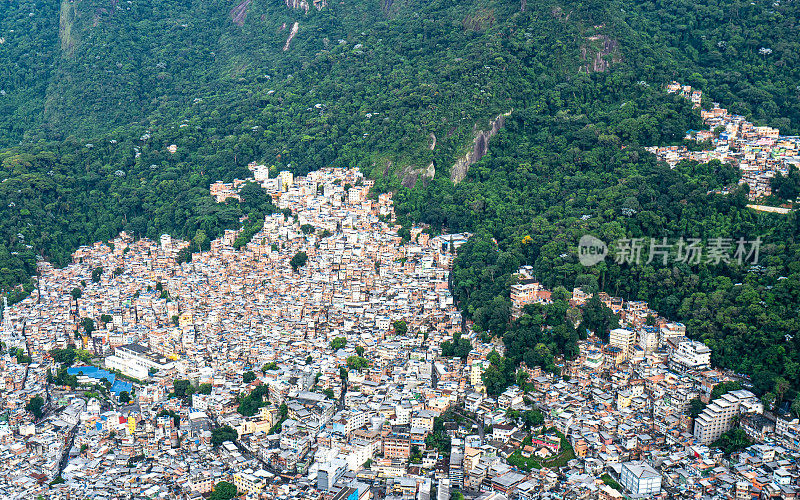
[648, 339]
[166, 242]
[672, 330]
[360, 450]
[718, 416]
[623, 338]
[640, 479]
[691, 355]
[260, 172]
[134, 360]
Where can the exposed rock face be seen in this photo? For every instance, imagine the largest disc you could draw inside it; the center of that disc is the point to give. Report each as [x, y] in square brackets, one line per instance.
[67, 35]
[297, 4]
[292, 33]
[303, 4]
[430, 171]
[595, 56]
[239, 13]
[479, 148]
[410, 175]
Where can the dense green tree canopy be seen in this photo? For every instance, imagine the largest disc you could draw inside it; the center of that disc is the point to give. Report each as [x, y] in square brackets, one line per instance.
[223, 490]
[35, 406]
[221, 434]
[299, 260]
[458, 347]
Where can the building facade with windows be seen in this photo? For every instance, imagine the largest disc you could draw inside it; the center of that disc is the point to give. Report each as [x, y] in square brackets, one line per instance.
[135, 360]
[718, 416]
[640, 479]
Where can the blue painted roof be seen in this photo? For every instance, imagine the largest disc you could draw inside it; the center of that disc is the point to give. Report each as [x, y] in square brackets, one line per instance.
[120, 386]
[92, 372]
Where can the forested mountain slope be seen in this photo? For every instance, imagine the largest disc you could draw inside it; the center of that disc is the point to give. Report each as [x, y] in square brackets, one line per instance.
[385, 75]
[93, 92]
[362, 83]
[88, 67]
[572, 165]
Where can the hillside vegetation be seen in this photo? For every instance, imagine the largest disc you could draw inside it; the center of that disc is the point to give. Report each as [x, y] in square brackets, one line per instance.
[362, 82]
[386, 75]
[571, 163]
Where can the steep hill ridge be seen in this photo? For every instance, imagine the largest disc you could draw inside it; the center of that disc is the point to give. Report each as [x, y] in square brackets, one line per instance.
[410, 65]
[89, 88]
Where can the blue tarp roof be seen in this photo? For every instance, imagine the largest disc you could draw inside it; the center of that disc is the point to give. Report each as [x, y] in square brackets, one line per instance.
[93, 372]
[120, 386]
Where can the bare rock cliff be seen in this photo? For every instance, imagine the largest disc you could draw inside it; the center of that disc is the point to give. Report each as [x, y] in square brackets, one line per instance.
[239, 13]
[479, 148]
[600, 53]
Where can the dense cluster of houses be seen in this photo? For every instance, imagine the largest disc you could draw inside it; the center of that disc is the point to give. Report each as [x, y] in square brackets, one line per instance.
[758, 151]
[327, 380]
